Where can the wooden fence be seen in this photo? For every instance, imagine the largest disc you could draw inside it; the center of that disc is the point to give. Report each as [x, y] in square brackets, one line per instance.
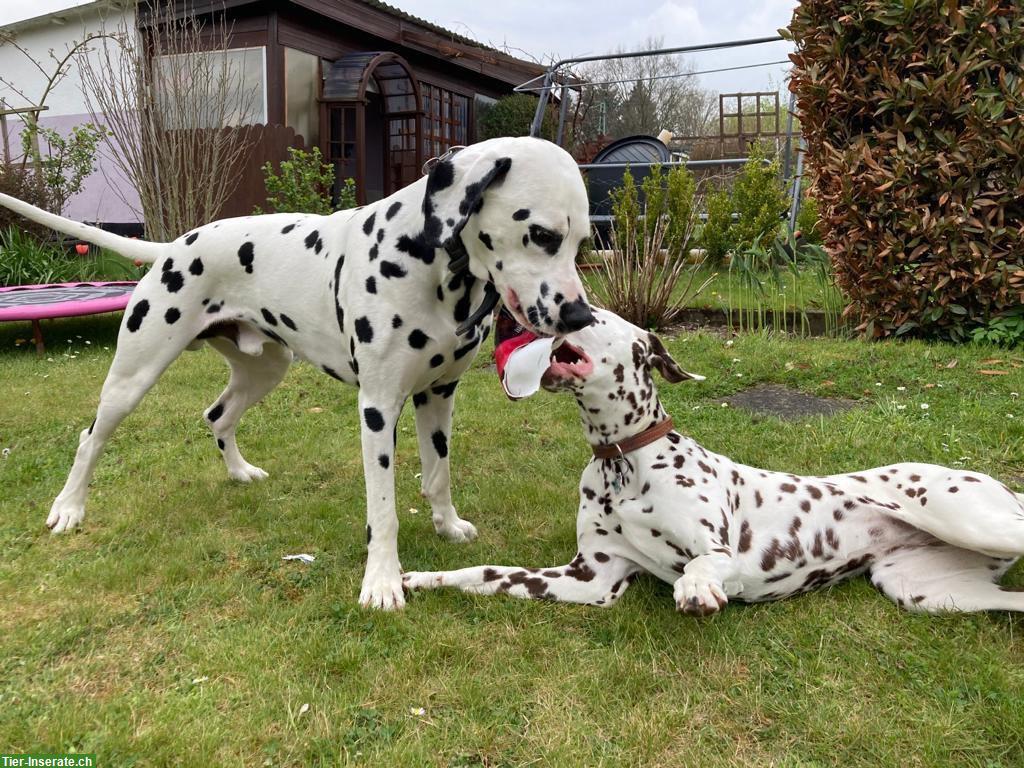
[268, 143]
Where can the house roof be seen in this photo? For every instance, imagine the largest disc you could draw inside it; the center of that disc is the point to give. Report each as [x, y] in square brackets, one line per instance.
[398, 27]
[399, 13]
[17, 16]
[414, 32]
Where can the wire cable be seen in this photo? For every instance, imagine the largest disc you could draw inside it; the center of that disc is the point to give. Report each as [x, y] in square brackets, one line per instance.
[581, 82]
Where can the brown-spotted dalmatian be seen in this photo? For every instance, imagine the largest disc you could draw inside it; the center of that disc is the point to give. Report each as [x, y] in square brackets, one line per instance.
[392, 298]
[931, 538]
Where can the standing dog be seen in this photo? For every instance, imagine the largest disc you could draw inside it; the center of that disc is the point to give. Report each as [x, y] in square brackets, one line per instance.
[373, 297]
[930, 538]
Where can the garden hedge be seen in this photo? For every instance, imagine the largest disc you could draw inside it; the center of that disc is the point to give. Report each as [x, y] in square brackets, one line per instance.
[912, 111]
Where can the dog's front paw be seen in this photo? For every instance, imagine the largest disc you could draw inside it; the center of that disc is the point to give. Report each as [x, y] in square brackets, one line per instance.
[422, 580]
[64, 516]
[456, 530]
[382, 591]
[246, 473]
[698, 598]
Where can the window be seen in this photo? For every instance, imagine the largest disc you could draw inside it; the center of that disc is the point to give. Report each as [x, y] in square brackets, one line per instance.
[212, 89]
[301, 75]
[445, 120]
[341, 144]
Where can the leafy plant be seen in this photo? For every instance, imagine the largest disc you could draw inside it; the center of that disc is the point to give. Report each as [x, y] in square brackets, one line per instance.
[680, 209]
[758, 199]
[625, 199]
[671, 196]
[512, 116]
[911, 115]
[24, 260]
[67, 160]
[644, 282]
[304, 185]
[716, 237]
[1006, 329]
[807, 219]
[774, 284]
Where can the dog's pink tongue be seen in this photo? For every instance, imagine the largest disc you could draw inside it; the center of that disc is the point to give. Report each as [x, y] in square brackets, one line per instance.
[522, 361]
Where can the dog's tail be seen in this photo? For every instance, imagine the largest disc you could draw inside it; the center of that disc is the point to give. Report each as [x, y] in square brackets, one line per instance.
[128, 247]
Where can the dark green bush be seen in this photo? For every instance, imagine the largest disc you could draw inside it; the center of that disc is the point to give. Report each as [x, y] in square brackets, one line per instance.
[716, 236]
[913, 113]
[670, 195]
[512, 116]
[807, 220]
[758, 200]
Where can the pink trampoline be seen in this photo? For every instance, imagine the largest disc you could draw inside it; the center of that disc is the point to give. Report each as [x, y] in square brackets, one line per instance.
[42, 302]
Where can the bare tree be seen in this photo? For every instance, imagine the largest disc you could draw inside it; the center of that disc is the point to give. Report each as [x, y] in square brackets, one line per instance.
[645, 95]
[52, 78]
[172, 94]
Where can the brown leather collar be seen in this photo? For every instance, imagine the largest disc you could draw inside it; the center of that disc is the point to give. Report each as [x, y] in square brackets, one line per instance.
[648, 436]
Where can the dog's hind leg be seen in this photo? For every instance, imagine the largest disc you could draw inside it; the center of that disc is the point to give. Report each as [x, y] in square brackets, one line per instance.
[434, 409]
[593, 578]
[965, 509]
[940, 577]
[138, 362]
[252, 378]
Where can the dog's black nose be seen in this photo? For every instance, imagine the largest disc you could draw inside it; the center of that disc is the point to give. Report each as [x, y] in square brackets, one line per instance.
[574, 315]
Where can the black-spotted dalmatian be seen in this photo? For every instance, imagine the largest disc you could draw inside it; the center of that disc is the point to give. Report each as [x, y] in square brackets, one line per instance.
[371, 296]
[929, 537]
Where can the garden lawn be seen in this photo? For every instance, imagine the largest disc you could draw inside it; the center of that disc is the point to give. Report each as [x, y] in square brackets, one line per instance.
[169, 631]
[808, 288]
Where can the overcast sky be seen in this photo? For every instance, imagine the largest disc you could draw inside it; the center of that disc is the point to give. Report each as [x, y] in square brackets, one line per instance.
[547, 29]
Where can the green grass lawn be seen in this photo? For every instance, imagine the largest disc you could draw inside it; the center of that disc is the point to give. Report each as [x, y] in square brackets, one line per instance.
[745, 297]
[170, 632]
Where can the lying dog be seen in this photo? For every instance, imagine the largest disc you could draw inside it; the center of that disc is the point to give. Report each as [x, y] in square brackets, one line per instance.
[930, 538]
[381, 297]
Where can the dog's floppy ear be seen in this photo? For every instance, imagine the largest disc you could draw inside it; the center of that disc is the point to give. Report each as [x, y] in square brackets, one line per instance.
[669, 368]
[455, 191]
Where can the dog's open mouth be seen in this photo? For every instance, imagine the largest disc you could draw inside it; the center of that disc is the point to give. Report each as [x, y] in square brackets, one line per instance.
[567, 362]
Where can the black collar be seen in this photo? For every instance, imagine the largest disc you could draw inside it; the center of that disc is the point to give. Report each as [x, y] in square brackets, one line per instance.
[458, 262]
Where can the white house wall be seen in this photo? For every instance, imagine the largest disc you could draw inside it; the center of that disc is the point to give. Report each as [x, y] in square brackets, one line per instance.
[106, 195]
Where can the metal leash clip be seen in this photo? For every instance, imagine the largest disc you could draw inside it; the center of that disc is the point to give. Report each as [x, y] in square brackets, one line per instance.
[428, 165]
[619, 478]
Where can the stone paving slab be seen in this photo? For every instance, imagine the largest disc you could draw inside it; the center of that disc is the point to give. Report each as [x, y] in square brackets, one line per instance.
[785, 403]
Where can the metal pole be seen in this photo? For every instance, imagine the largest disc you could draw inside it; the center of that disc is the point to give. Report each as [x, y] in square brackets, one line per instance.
[662, 51]
[542, 102]
[794, 210]
[672, 164]
[562, 112]
[3, 130]
[789, 136]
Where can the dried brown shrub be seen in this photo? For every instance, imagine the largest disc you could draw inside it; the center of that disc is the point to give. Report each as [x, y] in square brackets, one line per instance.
[914, 119]
[25, 184]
